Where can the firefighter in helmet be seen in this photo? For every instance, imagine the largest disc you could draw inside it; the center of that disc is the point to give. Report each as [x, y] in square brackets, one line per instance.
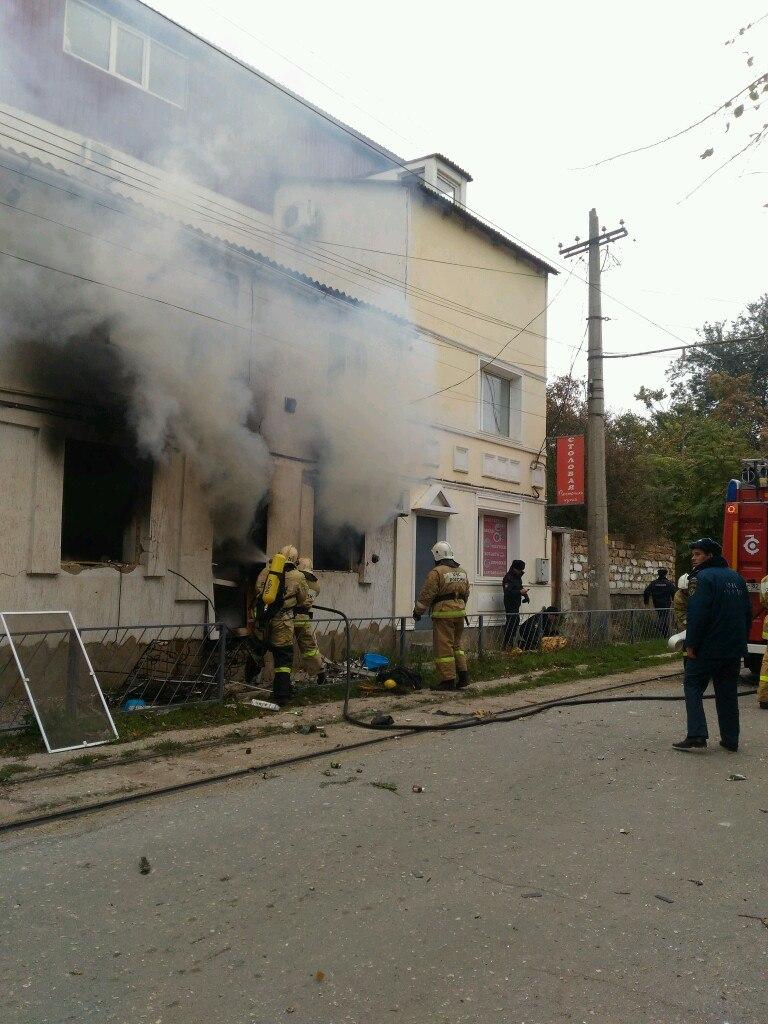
[444, 595]
[762, 689]
[686, 587]
[311, 658]
[273, 619]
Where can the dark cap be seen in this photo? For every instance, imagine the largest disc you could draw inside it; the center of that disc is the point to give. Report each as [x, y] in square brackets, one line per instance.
[663, 572]
[707, 545]
[518, 564]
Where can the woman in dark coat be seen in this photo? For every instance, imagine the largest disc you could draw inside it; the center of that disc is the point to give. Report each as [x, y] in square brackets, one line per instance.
[515, 594]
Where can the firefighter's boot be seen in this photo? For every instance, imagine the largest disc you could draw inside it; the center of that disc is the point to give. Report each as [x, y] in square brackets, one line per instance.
[282, 689]
[463, 680]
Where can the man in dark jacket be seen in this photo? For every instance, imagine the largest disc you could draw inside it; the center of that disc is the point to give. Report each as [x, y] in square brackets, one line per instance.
[719, 618]
[660, 593]
[515, 594]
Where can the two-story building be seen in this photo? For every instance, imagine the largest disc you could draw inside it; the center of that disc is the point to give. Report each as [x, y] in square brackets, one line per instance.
[232, 322]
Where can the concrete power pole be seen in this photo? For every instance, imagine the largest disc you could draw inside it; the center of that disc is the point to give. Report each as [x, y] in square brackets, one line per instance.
[598, 578]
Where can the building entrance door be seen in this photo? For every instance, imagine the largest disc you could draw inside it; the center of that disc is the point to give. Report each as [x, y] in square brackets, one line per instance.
[427, 535]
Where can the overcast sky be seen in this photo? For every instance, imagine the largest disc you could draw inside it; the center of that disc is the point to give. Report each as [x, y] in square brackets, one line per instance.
[522, 96]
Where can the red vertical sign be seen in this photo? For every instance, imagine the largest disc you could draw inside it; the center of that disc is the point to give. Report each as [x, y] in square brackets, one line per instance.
[494, 545]
[570, 470]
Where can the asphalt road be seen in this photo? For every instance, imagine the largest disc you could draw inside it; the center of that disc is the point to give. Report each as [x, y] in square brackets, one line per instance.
[567, 868]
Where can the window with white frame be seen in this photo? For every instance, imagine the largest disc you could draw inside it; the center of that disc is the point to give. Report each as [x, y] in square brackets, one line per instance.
[109, 44]
[498, 538]
[500, 403]
[448, 187]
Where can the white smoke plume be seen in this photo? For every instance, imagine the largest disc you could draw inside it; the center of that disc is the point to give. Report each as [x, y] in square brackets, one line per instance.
[169, 341]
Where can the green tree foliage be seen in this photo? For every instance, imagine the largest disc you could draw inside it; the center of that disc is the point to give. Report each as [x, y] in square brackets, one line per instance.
[631, 509]
[729, 379]
[667, 470]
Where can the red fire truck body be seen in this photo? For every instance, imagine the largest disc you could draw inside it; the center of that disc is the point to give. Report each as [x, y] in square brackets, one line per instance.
[745, 542]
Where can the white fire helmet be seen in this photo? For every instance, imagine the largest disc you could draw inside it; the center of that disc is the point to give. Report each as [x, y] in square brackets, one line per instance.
[290, 553]
[442, 550]
[682, 583]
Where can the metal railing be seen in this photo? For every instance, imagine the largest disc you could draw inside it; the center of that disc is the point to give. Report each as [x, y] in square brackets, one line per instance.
[400, 639]
[171, 664]
[151, 665]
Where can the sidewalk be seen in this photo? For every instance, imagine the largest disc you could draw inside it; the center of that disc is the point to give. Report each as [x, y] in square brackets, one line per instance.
[55, 782]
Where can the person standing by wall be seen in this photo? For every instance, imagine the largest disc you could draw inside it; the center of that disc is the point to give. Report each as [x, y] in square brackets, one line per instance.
[515, 594]
[444, 595]
[719, 619]
[660, 593]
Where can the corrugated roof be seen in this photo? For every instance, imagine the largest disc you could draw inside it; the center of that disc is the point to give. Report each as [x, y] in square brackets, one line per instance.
[440, 156]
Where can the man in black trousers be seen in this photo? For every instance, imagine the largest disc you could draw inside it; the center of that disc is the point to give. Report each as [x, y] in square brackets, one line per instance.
[660, 592]
[515, 594]
[719, 618]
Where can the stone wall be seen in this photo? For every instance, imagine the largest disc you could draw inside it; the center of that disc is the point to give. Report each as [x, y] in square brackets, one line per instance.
[633, 566]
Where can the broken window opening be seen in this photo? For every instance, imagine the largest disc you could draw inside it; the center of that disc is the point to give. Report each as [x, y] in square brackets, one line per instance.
[337, 549]
[105, 507]
[235, 572]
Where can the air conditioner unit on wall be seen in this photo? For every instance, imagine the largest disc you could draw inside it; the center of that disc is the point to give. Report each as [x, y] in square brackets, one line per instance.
[301, 219]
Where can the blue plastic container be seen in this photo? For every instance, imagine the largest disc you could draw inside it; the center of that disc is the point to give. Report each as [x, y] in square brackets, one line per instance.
[374, 662]
[134, 704]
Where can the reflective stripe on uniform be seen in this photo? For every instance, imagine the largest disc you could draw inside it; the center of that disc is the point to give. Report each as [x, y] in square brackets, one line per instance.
[311, 654]
[448, 658]
[283, 669]
[459, 654]
[451, 613]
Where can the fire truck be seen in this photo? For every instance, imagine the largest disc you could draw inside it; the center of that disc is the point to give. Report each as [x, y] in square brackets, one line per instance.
[745, 542]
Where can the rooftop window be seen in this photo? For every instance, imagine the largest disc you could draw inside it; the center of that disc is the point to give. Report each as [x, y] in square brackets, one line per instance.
[99, 39]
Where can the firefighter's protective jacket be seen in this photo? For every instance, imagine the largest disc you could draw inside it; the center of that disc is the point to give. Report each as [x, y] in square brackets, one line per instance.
[313, 586]
[764, 604]
[681, 599]
[445, 591]
[297, 593]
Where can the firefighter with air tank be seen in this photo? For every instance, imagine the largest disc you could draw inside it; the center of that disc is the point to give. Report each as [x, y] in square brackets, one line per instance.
[444, 595]
[280, 589]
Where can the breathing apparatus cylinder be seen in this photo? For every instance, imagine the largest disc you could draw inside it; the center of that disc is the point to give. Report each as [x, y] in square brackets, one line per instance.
[274, 579]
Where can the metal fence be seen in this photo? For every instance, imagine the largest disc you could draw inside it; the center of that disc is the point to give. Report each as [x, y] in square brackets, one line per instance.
[171, 665]
[158, 665]
[402, 640]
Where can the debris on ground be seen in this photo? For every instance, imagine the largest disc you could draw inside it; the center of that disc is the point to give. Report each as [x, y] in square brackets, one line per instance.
[531, 895]
[265, 705]
[391, 787]
[736, 777]
[664, 899]
[337, 782]
[319, 976]
[624, 832]
[417, 789]
[270, 775]
[144, 866]
[305, 730]
[336, 764]
[382, 721]
[696, 881]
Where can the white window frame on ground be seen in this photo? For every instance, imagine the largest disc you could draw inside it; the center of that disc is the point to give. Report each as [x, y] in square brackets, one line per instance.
[513, 539]
[515, 385]
[150, 47]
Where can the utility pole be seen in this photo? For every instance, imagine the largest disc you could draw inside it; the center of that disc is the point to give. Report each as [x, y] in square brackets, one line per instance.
[598, 581]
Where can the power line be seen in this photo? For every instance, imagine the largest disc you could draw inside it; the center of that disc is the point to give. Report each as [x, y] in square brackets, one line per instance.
[275, 236]
[498, 354]
[680, 348]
